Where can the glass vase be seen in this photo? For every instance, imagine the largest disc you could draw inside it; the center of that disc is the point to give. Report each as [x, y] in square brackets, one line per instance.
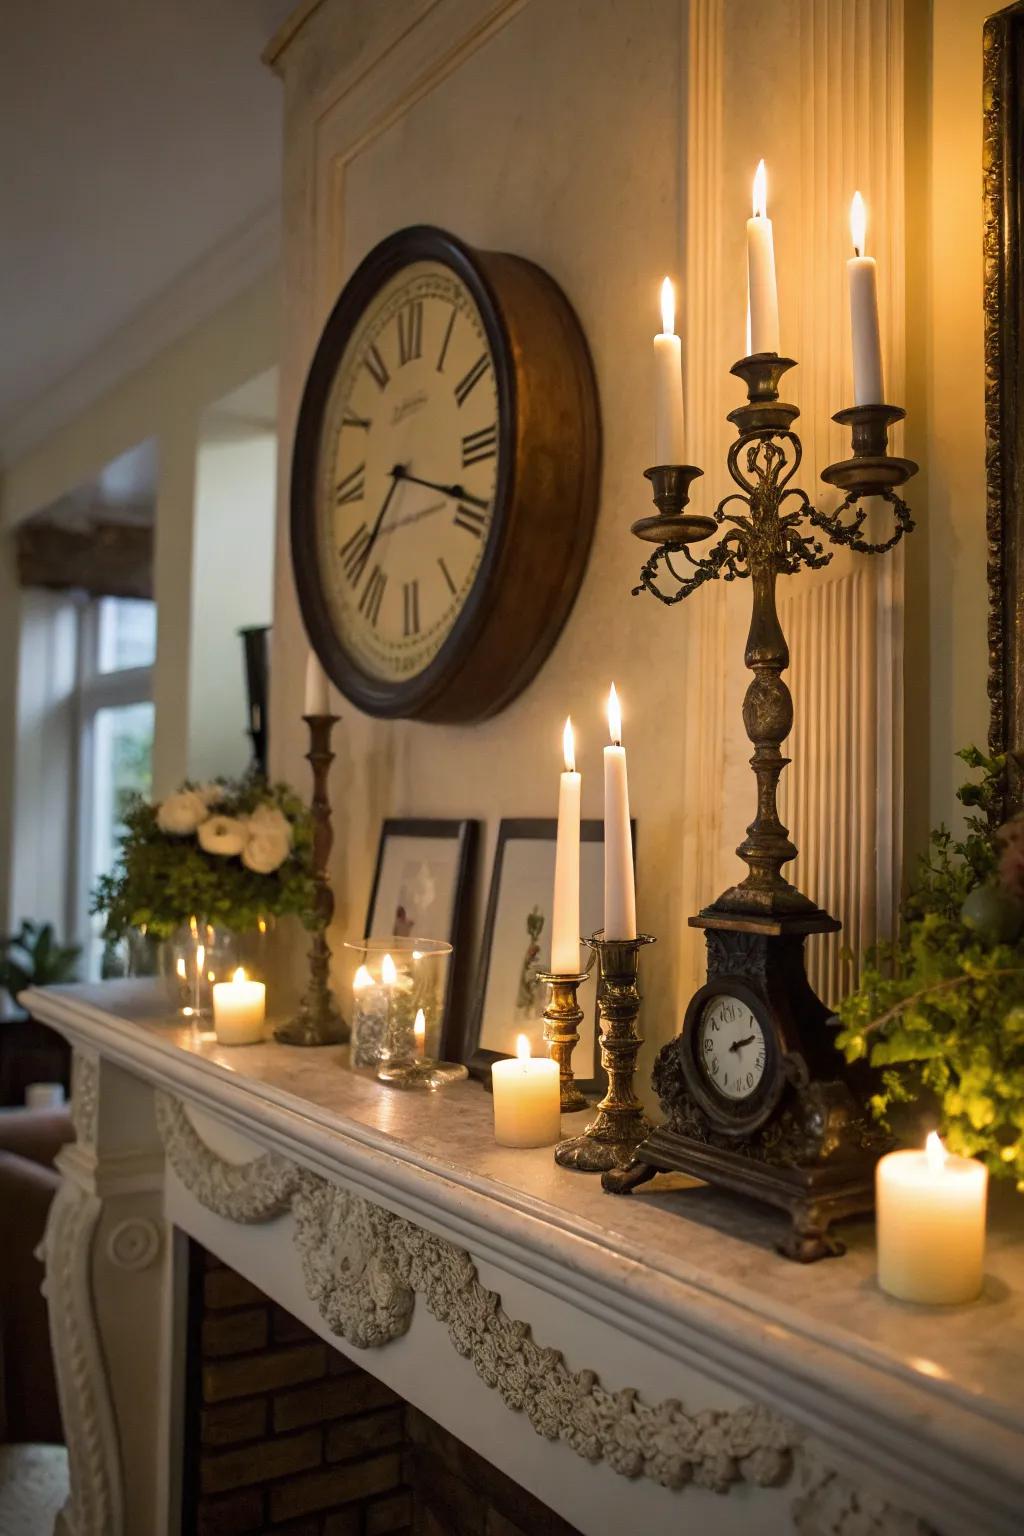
[192, 960]
[398, 998]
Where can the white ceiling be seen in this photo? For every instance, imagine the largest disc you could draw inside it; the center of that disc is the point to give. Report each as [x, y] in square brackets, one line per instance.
[135, 136]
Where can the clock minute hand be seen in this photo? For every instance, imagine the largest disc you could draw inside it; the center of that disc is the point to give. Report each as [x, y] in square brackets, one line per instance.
[458, 492]
[395, 477]
[738, 1045]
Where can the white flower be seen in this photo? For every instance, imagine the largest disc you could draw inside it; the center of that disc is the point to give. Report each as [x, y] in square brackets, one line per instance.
[182, 813]
[212, 794]
[267, 820]
[265, 851]
[224, 835]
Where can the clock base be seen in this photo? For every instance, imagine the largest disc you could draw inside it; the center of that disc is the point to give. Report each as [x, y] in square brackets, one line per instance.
[813, 1197]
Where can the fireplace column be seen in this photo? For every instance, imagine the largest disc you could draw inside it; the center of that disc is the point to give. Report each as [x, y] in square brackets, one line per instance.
[108, 1289]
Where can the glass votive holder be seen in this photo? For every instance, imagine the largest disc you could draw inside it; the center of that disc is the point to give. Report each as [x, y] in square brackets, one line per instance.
[398, 994]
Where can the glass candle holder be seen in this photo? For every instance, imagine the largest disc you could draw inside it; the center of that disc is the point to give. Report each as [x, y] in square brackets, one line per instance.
[192, 961]
[398, 994]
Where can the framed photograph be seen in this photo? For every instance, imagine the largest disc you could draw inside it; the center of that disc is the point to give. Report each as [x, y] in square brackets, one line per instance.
[420, 890]
[509, 998]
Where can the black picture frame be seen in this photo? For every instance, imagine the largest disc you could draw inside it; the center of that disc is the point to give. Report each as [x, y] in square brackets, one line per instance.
[1003, 245]
[479, 1059]
[465, 835]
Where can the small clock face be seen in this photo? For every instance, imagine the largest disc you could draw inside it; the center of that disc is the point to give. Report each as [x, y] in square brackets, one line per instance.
[731, 1047]
[409, 462]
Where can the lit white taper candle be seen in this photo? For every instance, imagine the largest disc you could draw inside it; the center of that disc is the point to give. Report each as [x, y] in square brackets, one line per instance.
[669, 443]
[318, 700]
[762, 293]
[619, 890]
[565, 920]
[868, 380]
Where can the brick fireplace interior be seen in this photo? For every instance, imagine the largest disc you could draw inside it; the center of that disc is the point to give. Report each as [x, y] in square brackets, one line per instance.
[289, 1437]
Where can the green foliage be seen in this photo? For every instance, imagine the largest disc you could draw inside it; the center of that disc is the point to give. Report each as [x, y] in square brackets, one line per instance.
[33, 958]
[162, 880]
[941, 1011]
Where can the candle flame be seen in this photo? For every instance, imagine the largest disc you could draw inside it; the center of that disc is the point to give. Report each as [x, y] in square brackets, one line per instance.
[858, 223]
[180, 968]
[614, 717]
[760, 197]
[388, 971]
[522, 1048]
[417, 954]
[200, 957]
[419, 1027]
[361, 979]
[239, 974]
[569, 746]
[193, 926]
[668, 307]
[935, 1152]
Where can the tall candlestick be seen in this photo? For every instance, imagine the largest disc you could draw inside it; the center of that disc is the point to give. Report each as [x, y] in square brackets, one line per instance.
[931, 1225]
[762, 292]
[868, 381]
[318, 700]
[619, 892]
[669, 442]
[565, 920]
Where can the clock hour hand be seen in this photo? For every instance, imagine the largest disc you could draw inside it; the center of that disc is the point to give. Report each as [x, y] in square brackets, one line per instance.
[738, 1045]
[458, 492]
[395, 477]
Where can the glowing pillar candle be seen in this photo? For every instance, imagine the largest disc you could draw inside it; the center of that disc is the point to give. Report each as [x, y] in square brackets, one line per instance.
[239, 1008]
[318, 699]
[868, 382]
[762, 293]
[619, 890]
[931, 1224]
[565, 918]
[669, 442]
[526, 1099]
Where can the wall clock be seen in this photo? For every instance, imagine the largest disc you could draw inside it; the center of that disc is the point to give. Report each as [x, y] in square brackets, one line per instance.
[445, 478]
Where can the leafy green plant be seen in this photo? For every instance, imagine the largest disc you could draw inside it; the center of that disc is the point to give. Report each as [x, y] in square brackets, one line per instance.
[33, 958]
[199, 854]
[940, 1012]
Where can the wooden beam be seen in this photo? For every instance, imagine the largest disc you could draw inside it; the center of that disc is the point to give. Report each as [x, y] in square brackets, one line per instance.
[107, 560]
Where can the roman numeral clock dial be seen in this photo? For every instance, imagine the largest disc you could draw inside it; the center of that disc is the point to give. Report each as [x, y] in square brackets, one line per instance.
[407, 487]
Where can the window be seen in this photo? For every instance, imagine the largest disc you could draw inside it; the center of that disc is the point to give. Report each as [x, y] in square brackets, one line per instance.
[114, 750]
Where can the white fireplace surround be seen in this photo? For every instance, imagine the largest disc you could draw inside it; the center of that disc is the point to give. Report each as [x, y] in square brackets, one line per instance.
[633, 1365]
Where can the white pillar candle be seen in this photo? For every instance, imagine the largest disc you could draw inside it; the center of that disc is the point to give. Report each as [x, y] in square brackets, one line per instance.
[868, 382]
[762, 293]
[619, 891]
[669, 443]
[318, 700]
[565, 919]
[527, 1099]
[931, 1225]
[239, 1008]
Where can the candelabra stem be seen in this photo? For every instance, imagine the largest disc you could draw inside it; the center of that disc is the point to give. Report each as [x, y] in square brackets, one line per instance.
[562, 1019]
[318, 1021]
[620, 1124]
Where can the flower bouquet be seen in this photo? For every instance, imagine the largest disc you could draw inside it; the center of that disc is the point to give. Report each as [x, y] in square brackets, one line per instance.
[208, 862]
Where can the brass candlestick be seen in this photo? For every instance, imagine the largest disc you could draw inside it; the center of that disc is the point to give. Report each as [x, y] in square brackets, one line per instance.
[620, 1124]
[562, 1019]
[318, 1021]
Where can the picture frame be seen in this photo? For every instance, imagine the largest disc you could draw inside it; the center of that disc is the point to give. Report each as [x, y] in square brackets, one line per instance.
[507, 999]
[423, 872]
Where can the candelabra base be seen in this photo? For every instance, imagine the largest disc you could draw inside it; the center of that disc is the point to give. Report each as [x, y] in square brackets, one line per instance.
[598, 1149]
[324, 1027]
[423, 1075]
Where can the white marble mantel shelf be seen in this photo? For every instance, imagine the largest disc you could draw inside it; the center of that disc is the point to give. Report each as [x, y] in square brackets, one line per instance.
[933, 1398]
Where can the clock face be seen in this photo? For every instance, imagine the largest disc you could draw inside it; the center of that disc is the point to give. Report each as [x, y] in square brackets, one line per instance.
[408, 471]
[731, 1047]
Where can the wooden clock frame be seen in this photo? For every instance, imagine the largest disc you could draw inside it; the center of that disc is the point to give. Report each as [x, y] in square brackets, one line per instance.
[545, 503]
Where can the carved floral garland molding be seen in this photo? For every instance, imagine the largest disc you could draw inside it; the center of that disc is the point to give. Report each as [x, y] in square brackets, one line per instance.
[364, 1267]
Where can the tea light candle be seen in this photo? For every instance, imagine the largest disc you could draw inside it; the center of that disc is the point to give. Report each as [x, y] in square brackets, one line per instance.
[526, 1099]
[931, 1224]
[239, 1008]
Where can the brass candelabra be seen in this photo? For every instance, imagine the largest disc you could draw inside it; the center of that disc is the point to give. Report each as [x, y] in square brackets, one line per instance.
[774, 535]
[562, 1019]
[318, 1021]
[619, 1125]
